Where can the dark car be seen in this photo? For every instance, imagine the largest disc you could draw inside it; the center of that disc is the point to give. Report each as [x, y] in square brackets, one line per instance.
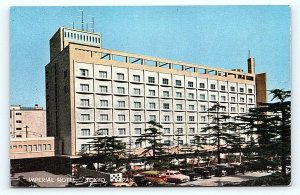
[220, 170]
[190, 173]
[202, 172]
[140, 180]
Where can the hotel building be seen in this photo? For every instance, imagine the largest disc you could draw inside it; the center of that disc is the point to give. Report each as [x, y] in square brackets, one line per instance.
[92, 92]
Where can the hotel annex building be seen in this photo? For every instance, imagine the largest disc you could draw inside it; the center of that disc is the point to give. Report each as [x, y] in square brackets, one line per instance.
[93, 92]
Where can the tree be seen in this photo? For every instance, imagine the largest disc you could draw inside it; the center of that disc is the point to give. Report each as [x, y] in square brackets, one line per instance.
[216, 131]
[270, 126]
[152, 137]
[109, 149]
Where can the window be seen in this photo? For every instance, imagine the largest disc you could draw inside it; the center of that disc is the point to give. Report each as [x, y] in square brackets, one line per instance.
[179, 118]
[202, 108]
[241, 90]
[85, 102]
[18, 136]
[165, 81]
[166, 118]
[120, 76]
[85, 117]
[102, 131]
[104, 103]
[202, 96]
[192, 130]
[137, 118]
[121, 117]
[203, 118]
[190, 84]
[84, 72]
[103, 117]
[180, 142]
[34, 148]
[121, 90]
[232, 109]
[138, 144]
[191, 107]
[223, 98]
[179, 106]
[39, 147]
[152, 105]
[167, 131]
[137, 91]
[103, 74]
[103, 89]
[151, 79]
[250, 100]
[201, 85]
[84, 87]
[18, 129]
[191, 118]
[166, 106]
[178, 82]
[85, 132]
[44, 147]
[180, 130]
[152, 117]
[250, 91]
[213, 97]
[167, 142]
[242, 109]
[137, 104]
[29, 147]
[223, 87]
[212, 86]
[232, 89]
[137, 78]
[179, 94]
[85, 147]
[242, 99]
[192, 142]
[190, 95]
[137, 131]
[166, 94]
[151, 92]
[18, 113]
[232, 99]
[121, 104]
[223, 109]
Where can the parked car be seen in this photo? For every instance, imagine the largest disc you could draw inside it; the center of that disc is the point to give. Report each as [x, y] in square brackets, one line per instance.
[220, 170]
[176, 177]
[156, 177]
[141, 180]
[202, 172]
[190, 173]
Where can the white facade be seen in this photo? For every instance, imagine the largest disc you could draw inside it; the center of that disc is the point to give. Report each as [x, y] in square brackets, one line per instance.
[119, 101]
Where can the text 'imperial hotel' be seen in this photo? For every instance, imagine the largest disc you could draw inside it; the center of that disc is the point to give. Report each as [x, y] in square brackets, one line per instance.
[91, 91]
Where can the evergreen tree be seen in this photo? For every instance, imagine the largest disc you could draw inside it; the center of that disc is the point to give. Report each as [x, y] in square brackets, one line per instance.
[270, 126]
[108, 151]
[216, 132]
[152, 137]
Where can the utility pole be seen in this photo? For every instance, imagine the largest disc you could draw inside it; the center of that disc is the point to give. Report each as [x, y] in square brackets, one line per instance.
[26, 131]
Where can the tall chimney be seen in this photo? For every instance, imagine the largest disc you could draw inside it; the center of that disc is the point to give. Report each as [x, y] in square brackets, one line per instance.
[251, 64]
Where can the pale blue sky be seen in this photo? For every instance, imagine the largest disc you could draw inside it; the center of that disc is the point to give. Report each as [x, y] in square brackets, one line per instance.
[217, 36]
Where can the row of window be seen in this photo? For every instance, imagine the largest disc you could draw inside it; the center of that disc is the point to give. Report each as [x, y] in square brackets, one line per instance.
[151, 92]
[37, 147]
[152, 105]
[137, 131]
[165, 81]
[82, 37]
